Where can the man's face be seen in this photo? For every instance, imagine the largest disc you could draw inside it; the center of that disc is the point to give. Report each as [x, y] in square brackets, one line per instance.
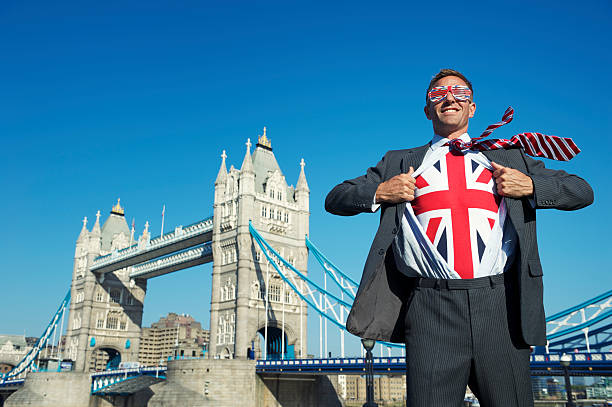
[450, 117]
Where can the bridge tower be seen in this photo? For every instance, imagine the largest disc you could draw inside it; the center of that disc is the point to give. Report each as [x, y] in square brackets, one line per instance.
[105, 311]
[257, 192]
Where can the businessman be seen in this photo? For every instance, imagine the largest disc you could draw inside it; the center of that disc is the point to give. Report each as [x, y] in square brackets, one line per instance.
[454, 270]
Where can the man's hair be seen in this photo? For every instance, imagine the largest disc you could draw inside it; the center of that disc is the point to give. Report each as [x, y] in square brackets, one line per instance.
[448, 72]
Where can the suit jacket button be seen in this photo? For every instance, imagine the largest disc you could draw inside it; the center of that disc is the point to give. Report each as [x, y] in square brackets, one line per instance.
[394, 231]
[381, 252]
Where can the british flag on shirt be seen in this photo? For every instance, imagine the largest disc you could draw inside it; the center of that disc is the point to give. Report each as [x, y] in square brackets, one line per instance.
[457, 206]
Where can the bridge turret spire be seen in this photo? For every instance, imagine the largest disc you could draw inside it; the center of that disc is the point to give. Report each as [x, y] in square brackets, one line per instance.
[222, 175]
[84, 231]
[264, 141]
[144, 239]
[96, 228]
[302, 185]
[117, 209]
[247, 163]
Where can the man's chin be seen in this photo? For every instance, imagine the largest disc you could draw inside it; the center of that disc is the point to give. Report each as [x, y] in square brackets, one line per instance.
[448, 128]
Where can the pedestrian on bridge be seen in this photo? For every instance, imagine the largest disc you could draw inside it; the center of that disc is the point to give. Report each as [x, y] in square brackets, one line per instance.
[454, 270]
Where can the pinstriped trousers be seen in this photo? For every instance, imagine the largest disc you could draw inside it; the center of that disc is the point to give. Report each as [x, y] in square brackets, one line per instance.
[465, 332]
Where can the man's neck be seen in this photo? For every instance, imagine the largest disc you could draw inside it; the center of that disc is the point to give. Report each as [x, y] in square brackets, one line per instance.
[452, 134]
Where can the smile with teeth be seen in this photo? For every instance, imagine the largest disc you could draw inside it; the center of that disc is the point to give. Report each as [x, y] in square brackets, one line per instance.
[450, 109]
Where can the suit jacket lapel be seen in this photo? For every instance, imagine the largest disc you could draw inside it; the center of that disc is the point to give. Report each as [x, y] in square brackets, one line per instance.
[413, 158]
[515, 206]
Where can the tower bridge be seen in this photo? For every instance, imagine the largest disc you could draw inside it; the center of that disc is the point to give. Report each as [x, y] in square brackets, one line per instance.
[257, 241]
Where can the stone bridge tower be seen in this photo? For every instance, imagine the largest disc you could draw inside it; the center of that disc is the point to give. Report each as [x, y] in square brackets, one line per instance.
[105, 311]
[258, 192]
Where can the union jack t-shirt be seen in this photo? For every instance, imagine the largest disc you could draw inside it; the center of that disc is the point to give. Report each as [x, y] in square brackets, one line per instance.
[456, 225]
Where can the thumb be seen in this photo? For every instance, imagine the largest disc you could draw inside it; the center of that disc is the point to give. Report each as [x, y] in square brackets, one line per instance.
[410, 171]
[497, 166]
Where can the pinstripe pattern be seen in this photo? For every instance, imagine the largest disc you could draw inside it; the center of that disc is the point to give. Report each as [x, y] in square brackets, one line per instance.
[465, 336]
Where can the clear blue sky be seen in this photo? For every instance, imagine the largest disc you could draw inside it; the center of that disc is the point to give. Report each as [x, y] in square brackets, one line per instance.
[100, 100]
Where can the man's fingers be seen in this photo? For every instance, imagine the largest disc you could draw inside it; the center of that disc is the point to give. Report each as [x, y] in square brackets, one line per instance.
[497, 166]
[411, 171]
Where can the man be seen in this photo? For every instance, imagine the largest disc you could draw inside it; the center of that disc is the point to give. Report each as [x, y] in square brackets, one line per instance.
[454, 269]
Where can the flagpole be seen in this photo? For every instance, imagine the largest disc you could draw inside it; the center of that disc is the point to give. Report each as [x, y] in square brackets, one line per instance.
[162, 226]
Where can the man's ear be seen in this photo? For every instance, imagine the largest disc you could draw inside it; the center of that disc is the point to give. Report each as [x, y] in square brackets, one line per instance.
[426, 110]
[472, 109]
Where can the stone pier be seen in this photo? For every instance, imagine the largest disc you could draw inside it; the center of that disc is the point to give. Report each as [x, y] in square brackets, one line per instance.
[52, 389]
[231, 383]
[189, 383]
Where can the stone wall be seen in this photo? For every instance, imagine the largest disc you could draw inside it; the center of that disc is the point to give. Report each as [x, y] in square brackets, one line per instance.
[189, 383]
[207, 382]
[52, 389]
[231, 383]
[297, 391]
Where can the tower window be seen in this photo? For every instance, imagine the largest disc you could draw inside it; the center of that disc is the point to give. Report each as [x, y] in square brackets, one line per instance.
[112, 322]
[275, 293]
[115, 296]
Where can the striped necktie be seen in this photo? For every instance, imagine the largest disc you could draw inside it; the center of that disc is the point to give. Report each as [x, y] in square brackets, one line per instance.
[534, 144]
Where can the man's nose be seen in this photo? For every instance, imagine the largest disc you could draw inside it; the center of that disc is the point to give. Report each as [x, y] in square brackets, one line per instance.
[450, 98]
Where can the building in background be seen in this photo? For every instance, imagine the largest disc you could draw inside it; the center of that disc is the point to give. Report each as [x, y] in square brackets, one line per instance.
[12, 349]
[174, 335]
[386, 388]
[601, 389]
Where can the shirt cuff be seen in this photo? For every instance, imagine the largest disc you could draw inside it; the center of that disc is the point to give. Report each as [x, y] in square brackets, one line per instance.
[375, 206]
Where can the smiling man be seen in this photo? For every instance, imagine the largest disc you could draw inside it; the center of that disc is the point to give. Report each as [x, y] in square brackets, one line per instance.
[454, 270]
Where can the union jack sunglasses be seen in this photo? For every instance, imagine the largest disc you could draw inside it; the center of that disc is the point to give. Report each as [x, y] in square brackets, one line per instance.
[439, 93]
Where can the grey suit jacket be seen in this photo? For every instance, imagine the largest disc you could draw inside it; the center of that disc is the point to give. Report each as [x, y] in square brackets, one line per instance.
[384, 293]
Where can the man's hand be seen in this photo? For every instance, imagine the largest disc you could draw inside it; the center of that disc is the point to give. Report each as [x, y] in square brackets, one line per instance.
[397, 189]
[512, 183]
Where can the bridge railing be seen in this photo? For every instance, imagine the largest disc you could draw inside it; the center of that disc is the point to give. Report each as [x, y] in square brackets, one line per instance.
[107, 378]
[182, 257]
[581, 363]
[180, 233]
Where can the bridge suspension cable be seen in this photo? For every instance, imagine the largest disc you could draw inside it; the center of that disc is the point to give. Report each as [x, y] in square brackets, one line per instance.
[317, 297]
[28, 361]
[346, 283]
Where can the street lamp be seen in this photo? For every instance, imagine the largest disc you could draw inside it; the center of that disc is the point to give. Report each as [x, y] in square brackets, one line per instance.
[565, 362]
[368, 345]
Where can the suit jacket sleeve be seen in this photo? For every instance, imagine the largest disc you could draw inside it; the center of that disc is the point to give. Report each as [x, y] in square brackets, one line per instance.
[557, 189]
[356, 195]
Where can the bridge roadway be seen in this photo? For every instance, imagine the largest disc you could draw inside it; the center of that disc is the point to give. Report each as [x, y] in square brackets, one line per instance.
[129, 381]
[182, 238]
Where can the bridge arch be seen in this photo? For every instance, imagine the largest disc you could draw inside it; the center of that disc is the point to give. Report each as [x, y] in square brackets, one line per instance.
[275, 343]
[104, 357]
[226, 353]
